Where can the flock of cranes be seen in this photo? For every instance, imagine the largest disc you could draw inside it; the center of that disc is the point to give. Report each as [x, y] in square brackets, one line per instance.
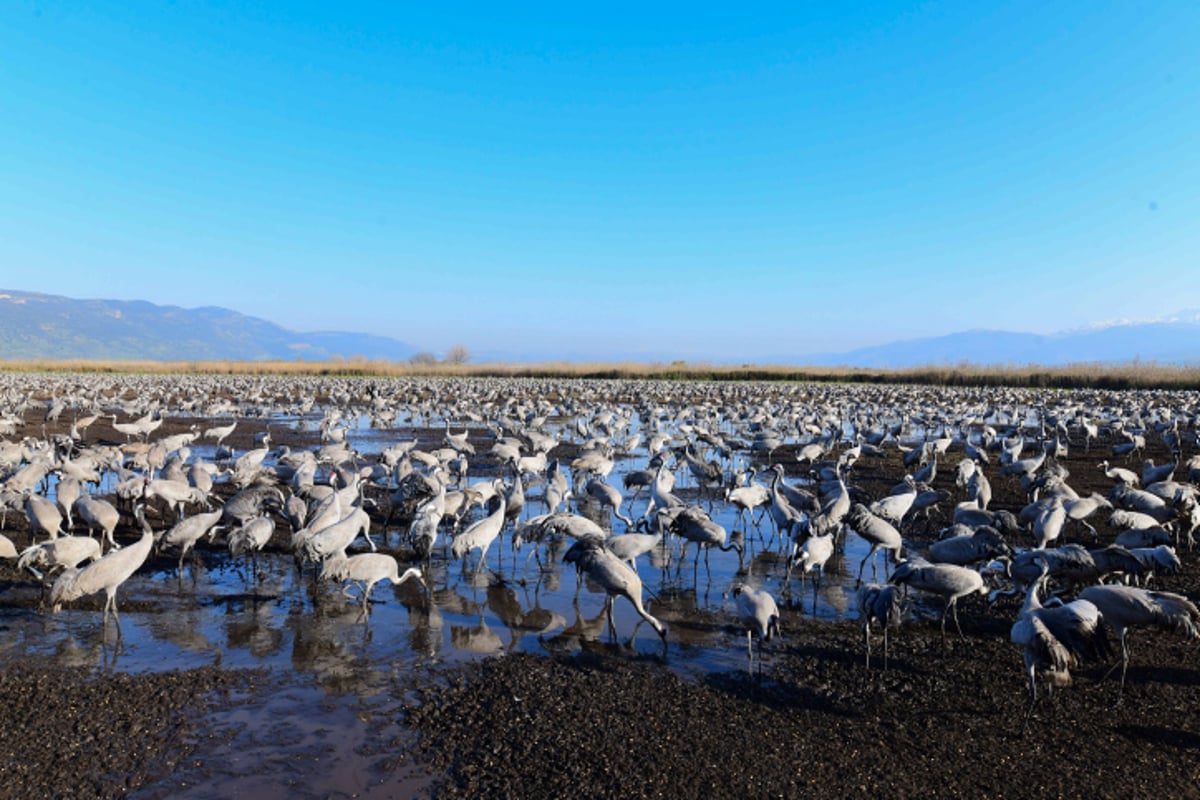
[464, 469]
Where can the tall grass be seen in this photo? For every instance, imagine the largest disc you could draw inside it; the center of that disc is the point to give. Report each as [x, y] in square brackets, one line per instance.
[1130, 375]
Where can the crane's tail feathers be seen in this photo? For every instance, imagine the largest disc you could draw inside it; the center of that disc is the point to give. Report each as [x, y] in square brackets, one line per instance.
[29, 556]
[1175, 612]
[1050, 651]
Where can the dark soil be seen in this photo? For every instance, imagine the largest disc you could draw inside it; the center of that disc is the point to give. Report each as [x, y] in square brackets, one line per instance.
[940, 721]
[73, 734]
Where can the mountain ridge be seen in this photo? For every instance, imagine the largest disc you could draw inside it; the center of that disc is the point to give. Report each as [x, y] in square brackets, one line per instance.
[35, 325]
[1162, 342]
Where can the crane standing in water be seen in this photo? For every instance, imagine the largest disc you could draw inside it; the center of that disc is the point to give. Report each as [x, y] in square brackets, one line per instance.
[616, 578]
[759, 613]
[106, 573]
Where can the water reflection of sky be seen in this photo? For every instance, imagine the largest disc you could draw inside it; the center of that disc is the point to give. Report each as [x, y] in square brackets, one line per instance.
[217, 613]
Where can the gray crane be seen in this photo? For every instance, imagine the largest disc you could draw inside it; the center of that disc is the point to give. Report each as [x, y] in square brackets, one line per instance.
[949, 581]
[185, 533]
[693, 524]
[615, 577]
[557, 488]
[97, 513]
[608, 495]
[66, 552]
[748, 497]
[812, 556]
[1055, 639]
[878, 532]
[1080, 509]
[628, 546]
[481, 534]
[366, 570]
[107, 574]
[785, 516]
[219, 433]
[422, 532]
[250, 538]
[1048, 525]
[43, 516]
[969, 547]
[759, 614]
[880, 604]
[1126, 607]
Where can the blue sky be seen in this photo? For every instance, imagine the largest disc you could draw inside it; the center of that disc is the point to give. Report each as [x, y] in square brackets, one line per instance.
[733, 182]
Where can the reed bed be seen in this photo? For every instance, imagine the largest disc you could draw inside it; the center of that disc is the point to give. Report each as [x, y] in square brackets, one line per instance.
[1129, 375]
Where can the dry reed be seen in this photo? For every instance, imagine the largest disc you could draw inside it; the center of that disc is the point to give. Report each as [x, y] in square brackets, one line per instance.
[1130, 375]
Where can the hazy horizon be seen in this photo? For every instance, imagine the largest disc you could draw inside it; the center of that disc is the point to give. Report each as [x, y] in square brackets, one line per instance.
[698, 181]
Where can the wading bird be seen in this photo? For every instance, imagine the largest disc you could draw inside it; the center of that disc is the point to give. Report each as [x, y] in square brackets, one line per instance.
[1054, 639]
[614, 576]
[481, 535]
[949, 581]
[878, 604]
[366, 570]
[1126, 607]
[107, 573]
[759, 614]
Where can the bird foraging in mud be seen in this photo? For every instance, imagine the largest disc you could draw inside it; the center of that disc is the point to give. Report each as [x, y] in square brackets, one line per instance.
[880, 604]
[759, 613]
[950, 581]
[1126, 607]
[616, 578]
[366, 570]
[1055, 639]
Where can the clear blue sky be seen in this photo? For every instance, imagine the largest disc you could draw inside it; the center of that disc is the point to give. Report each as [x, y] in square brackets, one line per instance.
[740, 181]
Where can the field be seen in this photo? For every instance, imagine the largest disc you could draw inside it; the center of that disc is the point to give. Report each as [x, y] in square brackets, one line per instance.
[252, 676]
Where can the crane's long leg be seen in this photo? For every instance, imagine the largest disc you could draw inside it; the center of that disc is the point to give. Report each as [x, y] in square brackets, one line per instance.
[867, 639]
[116, 616]
[1124, 659]
[1032, 697]
[868, 557]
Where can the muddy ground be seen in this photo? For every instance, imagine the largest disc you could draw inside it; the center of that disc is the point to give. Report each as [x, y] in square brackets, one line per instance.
[941, 720]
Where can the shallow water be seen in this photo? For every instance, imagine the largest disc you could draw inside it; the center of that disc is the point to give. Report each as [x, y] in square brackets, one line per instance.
[219, 611]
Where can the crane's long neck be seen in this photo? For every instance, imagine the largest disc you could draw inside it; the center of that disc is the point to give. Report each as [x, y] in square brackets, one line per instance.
[646, 615]
[1032, 603]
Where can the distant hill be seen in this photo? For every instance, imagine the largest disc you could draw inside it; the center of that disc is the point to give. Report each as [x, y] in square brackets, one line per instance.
[40, 326]
[1174, 340]
[44, 326]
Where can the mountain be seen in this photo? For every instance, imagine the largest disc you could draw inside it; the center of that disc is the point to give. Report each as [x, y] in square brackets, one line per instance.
[44, 326]
[1173, 340]
[40, 326]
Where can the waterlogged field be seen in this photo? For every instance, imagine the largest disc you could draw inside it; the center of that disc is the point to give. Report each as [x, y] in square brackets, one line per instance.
[269, 610]
[324, 650]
